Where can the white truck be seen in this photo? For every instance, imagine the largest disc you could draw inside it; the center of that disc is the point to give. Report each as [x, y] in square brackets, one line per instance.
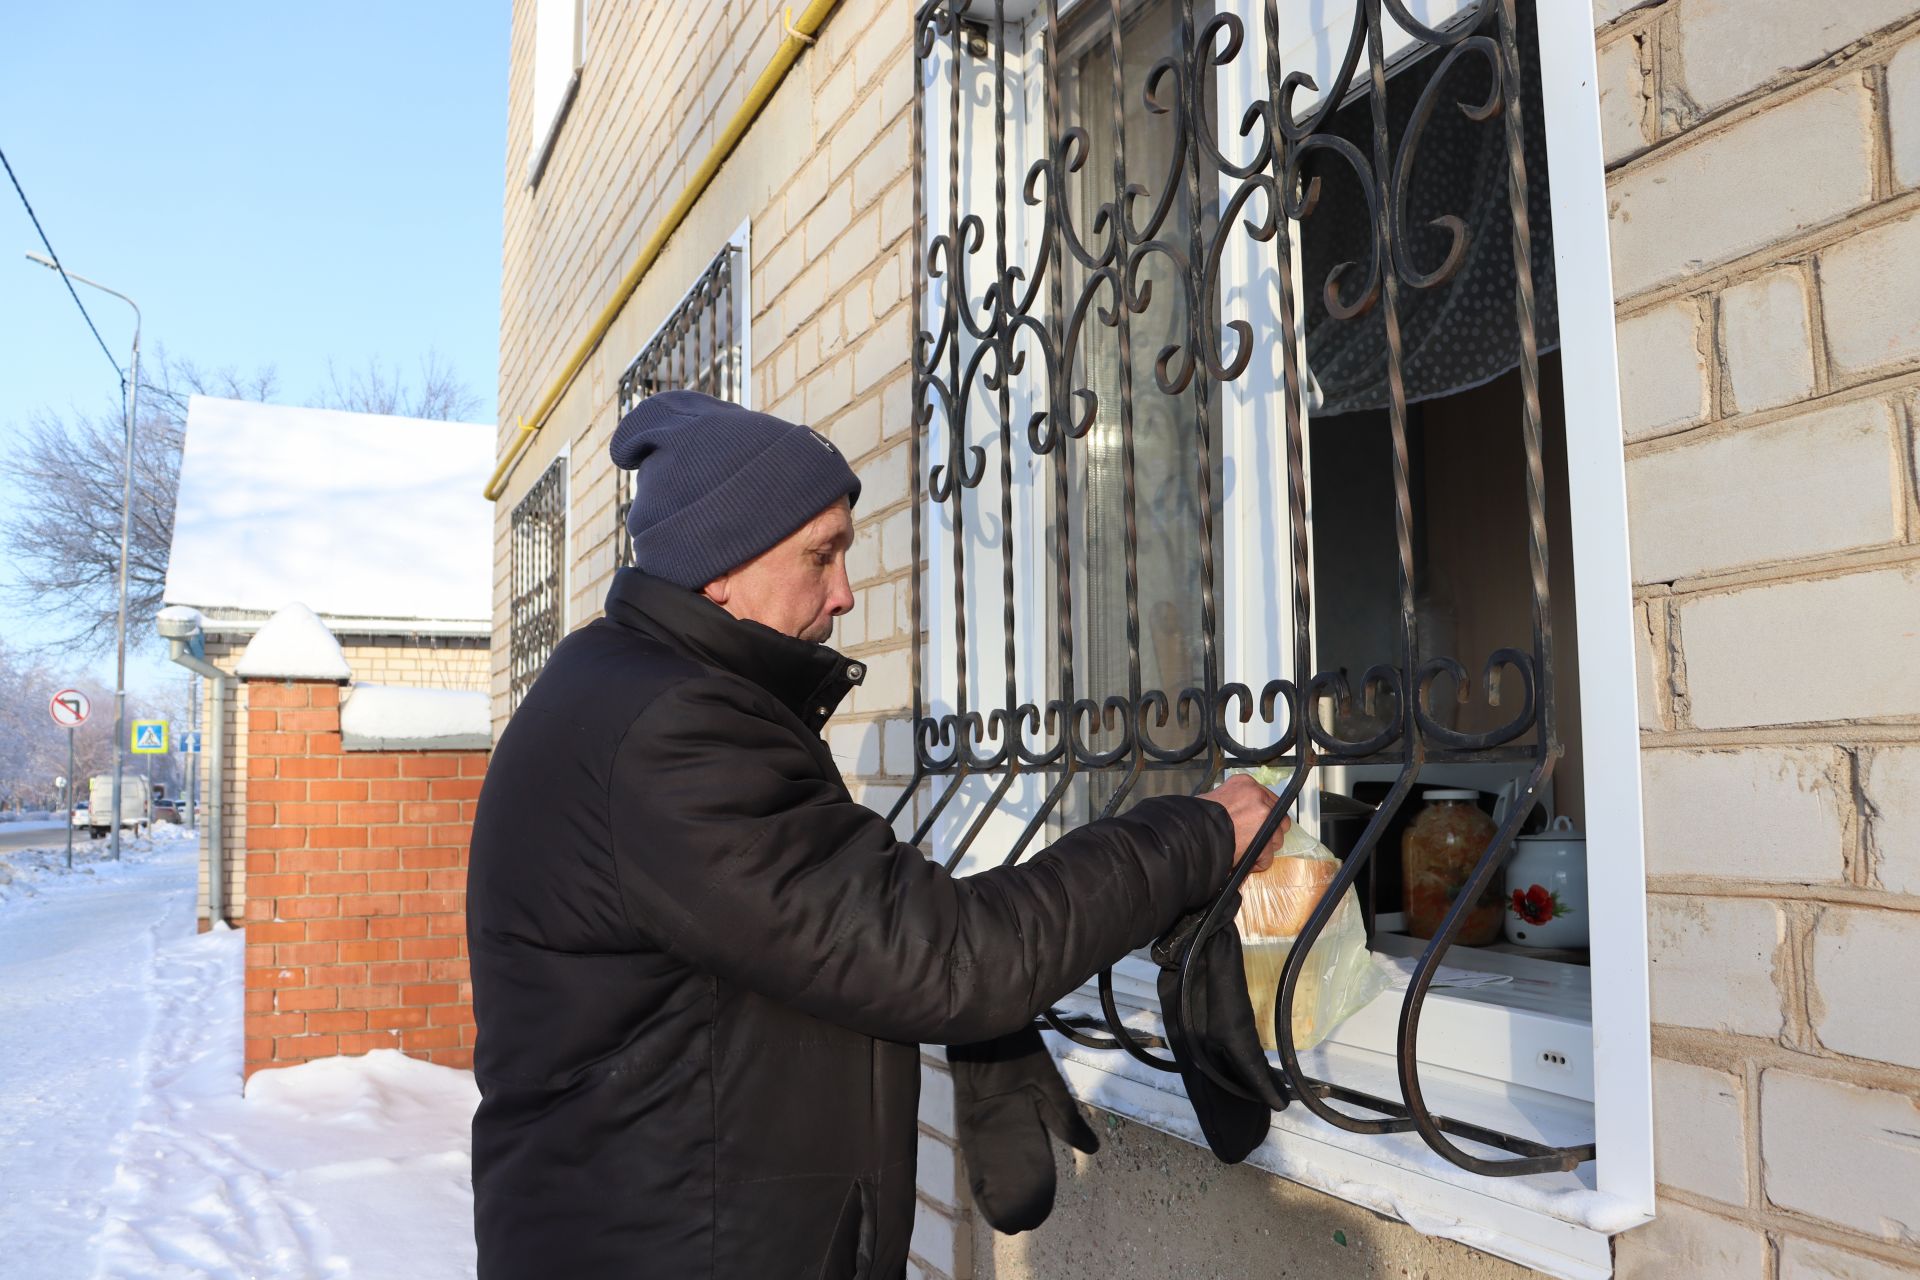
[136, 804]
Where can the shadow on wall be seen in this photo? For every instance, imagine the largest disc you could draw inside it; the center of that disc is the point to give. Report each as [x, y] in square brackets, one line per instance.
[1151, 1207]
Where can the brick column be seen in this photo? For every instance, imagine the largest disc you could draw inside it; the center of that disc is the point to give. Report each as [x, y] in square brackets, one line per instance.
[356, 888]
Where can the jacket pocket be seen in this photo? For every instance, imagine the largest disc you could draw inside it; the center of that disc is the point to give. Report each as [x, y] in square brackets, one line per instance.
[850, 1252]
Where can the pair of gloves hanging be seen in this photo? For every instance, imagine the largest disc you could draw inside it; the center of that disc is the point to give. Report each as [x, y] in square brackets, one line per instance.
[1008, 1093]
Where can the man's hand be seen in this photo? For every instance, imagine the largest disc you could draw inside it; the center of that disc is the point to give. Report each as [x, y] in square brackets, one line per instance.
[1248, 804]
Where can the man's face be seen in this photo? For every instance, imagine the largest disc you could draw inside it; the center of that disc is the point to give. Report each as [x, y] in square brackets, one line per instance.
[799, 586]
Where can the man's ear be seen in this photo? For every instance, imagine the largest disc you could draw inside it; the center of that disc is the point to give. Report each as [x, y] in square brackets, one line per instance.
[720, 590]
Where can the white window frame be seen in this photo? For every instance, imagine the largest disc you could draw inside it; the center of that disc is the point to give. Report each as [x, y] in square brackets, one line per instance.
[559, 46]
[742, 240]
[1559, 1224]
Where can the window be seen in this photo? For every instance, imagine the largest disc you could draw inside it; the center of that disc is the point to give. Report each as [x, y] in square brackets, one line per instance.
[557, 29]
[537, 557]
[700, 346]
[1293, 433]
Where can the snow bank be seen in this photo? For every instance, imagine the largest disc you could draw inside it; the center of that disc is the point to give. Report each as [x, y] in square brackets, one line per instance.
[345, 1167]
[376, 717]
[294, 645]
[26, 873]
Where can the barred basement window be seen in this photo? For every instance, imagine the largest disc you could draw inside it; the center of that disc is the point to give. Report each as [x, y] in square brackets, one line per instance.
[1260, 399]
[699, 347]
[536, 567]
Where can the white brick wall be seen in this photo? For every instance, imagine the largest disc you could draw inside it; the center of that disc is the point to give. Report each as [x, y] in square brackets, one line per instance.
[1605, 11]
[1774, 654]
[934, 1235]
[1663, 378]
[1722, 197]
[1903, 110]
[1711, 963]
[1699, 1130]
[1892, 785]
[1802, 1259]
[1648, 670]
[1623, 98]
[1727, 49]
[936, 1100]
[1769, 354]
[1811, 485]
[1684, 1242]
[938, 1168]
[1842, 1153]
[1856, 955]
[1867, 285]
[940, 1220]
[1758, 814]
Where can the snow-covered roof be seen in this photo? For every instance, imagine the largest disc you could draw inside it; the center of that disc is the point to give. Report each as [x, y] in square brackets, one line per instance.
[360, 516]
[388, 718]
[294, 645]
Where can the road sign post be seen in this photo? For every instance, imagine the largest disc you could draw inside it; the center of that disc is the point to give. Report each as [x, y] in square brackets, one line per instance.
[69, 709]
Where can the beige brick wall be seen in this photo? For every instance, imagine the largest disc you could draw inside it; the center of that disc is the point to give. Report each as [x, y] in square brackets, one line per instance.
[425, 662]
[1764, 201]
[822, 180]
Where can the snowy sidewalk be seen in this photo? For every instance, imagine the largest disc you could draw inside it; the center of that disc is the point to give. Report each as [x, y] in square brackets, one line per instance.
[125, 1147]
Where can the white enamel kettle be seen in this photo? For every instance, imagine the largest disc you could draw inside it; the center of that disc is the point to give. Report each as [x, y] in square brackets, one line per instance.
[1546, 903]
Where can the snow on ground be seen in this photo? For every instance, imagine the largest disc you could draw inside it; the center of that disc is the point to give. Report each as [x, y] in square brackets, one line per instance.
[126, 1148]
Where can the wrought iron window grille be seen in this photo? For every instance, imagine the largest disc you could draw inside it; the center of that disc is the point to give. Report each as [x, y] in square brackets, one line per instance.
[537, 551]
[698, 347]
[1028, 327]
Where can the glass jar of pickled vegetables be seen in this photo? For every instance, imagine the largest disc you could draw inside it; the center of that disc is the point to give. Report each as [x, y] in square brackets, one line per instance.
[1438, 852]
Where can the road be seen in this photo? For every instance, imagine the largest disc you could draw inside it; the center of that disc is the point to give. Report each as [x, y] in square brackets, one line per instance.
[35, 835]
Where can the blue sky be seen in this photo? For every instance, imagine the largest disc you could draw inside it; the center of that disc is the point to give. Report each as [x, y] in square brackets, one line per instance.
[274, 184]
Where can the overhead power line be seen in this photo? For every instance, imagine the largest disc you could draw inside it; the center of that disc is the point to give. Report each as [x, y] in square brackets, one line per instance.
[104, 350]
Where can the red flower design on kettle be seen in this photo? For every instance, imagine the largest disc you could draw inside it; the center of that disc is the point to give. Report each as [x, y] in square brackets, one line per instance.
[1537, 905]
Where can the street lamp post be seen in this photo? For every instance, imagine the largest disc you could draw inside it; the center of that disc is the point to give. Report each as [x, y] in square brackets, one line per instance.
[126, 536]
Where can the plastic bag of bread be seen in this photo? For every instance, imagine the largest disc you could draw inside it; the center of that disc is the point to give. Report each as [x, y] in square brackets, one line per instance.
[1339, 977]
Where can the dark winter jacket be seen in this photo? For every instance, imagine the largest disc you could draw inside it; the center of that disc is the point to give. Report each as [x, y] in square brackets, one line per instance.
[701, 970]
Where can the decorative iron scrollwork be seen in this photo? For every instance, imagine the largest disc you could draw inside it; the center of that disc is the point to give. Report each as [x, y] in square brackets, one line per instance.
[1093, 267]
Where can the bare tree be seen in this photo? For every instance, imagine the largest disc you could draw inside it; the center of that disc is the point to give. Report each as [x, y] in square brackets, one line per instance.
[33, 750]
[65, 544]
[440, 394]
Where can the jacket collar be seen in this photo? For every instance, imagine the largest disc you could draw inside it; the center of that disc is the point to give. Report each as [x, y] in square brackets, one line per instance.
[810, 679]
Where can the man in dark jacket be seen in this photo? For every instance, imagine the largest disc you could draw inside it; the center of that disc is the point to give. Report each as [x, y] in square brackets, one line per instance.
[701, 970]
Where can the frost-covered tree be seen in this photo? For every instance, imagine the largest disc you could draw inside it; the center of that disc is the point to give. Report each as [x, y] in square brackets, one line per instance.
[65, 546]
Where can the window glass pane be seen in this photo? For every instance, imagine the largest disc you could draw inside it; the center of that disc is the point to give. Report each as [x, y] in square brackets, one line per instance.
[1167, 530]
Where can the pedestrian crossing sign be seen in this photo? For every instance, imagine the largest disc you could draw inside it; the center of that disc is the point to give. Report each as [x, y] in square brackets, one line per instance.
[149, 737]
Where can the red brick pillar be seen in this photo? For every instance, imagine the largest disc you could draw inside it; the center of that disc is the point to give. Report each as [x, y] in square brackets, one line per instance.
[356, 888]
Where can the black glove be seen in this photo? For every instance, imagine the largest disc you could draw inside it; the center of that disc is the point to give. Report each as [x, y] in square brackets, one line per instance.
[1235, 1120]
[1007, 1096]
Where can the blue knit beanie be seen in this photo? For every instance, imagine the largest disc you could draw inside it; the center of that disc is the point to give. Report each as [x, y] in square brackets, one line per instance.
[715, 485]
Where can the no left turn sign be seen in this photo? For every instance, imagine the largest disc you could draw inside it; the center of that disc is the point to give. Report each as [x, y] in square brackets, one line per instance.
[70, 708]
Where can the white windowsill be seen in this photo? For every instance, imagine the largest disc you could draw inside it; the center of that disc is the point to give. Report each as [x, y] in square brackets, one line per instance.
[1556, 1223]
